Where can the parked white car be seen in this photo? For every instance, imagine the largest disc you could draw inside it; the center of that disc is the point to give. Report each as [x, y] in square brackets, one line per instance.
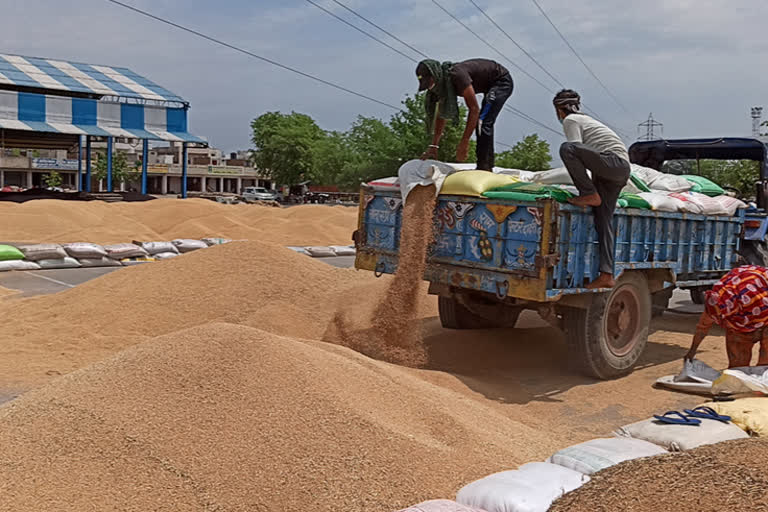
[258, 194]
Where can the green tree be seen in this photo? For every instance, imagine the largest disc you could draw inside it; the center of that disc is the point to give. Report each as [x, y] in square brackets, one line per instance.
[53, 179]
[121, 171]
[530, 154]
[410, 128]
[738, 174]
[284, 145]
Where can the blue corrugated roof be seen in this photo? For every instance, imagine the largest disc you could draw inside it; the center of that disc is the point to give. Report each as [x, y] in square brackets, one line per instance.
[59, 75]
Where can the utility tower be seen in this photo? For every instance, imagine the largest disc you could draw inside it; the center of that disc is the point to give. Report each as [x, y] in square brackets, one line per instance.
[757, 117]
[647, 130]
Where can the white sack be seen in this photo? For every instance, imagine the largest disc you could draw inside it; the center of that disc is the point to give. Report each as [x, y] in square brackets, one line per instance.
[121, 251]
[99, 262]
[671, 183]
[597, 454]
[343, 250]
[188, 245]
[35, 252]
[165, 255]
[682, 437]
[320, 252]
[646, 174]
[531, 488]
[84, 250]
[153, 248]
[422, 173]
[440, 506]
[662, 202]
[558, 176]
[18, 265]
[59, 263]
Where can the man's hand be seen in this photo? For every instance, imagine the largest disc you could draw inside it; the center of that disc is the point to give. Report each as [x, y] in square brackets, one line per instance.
[462, 151]
[430, 154]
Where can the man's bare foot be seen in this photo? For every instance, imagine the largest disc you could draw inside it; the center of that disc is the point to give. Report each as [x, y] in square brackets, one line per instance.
[590, 200]
[603, 281]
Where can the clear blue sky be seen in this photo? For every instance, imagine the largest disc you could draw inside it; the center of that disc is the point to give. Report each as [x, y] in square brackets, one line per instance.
[696, 64]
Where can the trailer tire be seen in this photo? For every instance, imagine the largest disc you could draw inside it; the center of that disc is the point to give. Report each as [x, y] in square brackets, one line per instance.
[455, 315]
[698, 294]
[660, 302]
[755, 252]
[606, 340]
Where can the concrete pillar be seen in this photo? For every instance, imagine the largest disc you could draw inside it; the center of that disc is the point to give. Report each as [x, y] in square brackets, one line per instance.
[2, 179]
[88, 161]
[184, 171]
[109, 163]
[29, 179]
[203, 184]
[239, 186]
[122, 186]
[164, 186]
[79, 186]
[144, 159]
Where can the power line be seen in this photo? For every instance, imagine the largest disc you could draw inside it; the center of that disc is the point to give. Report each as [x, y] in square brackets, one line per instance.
[516, 44]
[268, 60]
[368, 34]
[535, 61]
[579, 57]
[390, 34]
[457, 20]
[515, 111]
[533, 120]
[251, 54]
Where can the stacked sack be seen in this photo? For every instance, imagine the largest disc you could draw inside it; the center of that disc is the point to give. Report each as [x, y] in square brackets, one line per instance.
[533, 487]
[647, 189]
[89, 255]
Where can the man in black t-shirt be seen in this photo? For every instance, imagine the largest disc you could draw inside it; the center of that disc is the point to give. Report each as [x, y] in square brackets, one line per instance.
[444, 82]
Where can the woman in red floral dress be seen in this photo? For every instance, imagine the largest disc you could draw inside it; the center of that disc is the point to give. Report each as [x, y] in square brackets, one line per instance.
[739, 304]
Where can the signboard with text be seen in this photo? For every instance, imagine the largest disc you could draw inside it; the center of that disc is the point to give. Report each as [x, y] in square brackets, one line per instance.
[223, 170]
[52, 163]
[157, 169]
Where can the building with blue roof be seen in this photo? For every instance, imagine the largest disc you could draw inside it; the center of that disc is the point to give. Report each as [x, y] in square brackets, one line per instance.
[57, 104]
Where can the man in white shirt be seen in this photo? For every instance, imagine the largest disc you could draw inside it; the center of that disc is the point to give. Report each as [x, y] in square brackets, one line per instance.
[592, 145]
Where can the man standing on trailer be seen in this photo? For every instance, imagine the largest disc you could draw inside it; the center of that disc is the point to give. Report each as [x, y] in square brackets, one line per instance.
[444, 83]
[592, 145]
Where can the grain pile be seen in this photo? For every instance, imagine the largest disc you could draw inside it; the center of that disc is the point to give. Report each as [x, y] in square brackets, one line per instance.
[726, 476]
[166, 219]
[396, 335]
[231, 418]
[250, 283]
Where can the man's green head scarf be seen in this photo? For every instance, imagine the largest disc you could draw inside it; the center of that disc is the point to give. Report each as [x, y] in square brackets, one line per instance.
[441, 98]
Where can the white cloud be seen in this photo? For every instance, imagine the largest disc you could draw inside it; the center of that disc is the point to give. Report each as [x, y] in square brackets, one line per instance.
[695, 64]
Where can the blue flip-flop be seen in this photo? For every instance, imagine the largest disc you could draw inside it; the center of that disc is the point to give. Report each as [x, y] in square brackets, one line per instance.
[669, 418]
[707, 413]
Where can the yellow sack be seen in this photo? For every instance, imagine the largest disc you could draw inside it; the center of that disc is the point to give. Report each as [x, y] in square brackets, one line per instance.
[474, 183]
[751, 414]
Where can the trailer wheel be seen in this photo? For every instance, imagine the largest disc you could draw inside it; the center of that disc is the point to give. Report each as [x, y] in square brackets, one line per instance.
[455, 315]
[698, 295]
[660, 302]
[755, 252]
[607, 339]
